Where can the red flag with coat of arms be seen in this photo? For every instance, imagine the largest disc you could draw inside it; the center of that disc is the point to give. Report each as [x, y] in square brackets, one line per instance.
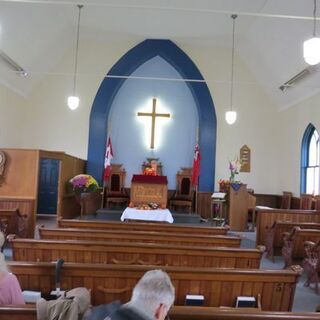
[107, 159]
[196, 165]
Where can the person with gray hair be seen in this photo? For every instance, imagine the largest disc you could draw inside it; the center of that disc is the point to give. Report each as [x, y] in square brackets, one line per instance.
[151, 298]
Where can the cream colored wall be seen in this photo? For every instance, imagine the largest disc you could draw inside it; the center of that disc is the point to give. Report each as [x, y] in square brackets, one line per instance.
[294, 122]
[50, 125]
[12, 114]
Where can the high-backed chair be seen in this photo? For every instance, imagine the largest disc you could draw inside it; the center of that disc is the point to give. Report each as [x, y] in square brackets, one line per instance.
[183, 197]
[286, 200]
[116, 193]
[317, 202]
[305, 201]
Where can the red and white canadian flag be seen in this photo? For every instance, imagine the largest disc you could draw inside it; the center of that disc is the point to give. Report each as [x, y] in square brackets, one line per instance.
[107, 160]
[196, 165]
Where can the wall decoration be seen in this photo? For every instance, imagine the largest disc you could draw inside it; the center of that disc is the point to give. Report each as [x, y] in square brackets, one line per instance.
[245, 159]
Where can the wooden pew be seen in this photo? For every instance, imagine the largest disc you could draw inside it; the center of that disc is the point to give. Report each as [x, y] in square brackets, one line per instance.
[139, 236]
[294, 243]
[141, 226]
[28, 312]
[311, 264]
[219, 286]
[274, 235]
[266, 218]
[134, 253]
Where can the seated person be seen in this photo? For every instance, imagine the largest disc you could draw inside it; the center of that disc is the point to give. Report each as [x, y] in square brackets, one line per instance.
[10, 291]
[151, 299]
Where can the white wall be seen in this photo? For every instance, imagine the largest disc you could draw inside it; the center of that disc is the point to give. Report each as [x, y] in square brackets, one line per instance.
[294, 122]
[50, 125]
[12, 115]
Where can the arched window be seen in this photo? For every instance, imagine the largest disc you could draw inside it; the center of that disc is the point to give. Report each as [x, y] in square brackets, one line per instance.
[310, 161]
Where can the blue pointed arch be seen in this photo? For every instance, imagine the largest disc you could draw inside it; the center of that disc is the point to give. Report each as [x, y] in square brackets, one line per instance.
[109, 87]
[305, 156]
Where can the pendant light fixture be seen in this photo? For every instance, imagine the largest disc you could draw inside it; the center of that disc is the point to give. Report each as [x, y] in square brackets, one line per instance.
[311, 47]
[231, 115]
[73, 101]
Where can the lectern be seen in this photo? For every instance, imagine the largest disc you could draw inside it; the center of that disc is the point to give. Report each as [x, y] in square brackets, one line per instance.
[238, 207]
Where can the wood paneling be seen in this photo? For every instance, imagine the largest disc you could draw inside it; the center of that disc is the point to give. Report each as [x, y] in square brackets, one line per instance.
[135, 253]
[266, 218]
[25, 205]
[219, 286]
[140, 236]
[204, 204]
[21, 174]
[140, 226]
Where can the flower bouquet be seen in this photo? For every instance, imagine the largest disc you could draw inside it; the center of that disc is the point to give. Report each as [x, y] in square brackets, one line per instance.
[149, 172]
[84, 183]
[234, 166]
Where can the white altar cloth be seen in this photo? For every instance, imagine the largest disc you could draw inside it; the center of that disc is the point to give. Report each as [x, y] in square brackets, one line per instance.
[163, 215]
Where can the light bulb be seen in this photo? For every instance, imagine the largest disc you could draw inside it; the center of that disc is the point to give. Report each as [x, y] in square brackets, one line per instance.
[311, 51]
[73, 102]
[231, 117]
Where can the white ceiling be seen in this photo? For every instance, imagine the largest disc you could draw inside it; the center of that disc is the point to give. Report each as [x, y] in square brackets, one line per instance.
[270, 34]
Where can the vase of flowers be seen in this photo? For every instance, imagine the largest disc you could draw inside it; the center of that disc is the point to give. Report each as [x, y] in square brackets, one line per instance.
[83, 186]
[234, 167]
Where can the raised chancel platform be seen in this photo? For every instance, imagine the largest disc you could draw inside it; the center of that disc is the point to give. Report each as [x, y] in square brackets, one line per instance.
[114, 215]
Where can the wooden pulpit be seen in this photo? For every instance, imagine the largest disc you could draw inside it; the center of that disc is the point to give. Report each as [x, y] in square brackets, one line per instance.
[238, 207]
[146, 189]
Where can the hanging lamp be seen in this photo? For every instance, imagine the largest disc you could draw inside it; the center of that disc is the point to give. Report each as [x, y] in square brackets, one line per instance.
[231, 115]
[73, 101]
[311, 47]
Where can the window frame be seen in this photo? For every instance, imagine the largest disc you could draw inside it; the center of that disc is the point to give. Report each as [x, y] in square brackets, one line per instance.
[305, 146]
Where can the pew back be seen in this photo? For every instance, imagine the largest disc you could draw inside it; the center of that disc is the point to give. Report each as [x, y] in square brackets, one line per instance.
[134, 253]
[266, 218]
[139, 236]
[141, 226]
[299, 238]
[281, 227]
[220, 286]
[28, 312]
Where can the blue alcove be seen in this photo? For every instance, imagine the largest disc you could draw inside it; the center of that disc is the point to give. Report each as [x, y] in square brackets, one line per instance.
[110, 87]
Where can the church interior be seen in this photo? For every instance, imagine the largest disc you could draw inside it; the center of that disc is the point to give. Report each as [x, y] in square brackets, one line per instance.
[177, 135]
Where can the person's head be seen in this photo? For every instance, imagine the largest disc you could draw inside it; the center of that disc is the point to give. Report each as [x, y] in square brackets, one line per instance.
[154, 293]
[3, 264]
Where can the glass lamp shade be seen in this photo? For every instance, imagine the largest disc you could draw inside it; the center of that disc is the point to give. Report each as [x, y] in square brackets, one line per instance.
[311, 51]
[73, 102]
[231, 117]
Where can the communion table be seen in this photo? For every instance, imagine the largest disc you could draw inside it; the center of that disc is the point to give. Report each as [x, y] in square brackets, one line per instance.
[160, 215]
[146, 189]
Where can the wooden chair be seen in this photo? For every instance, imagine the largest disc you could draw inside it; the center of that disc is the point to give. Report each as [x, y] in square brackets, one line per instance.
[116, 193]
[286, 200]
[183, 197]
[305, 201]
[317, 203]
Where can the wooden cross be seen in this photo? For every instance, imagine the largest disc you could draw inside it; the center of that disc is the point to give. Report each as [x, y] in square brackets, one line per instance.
[153, 116]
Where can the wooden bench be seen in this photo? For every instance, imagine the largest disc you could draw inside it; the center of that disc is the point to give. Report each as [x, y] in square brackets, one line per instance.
[219, 286]
[311, 263]
[28, 312]
[134, 253]
[266, 218]
[141, 226]
[139, 236]
[294, 243]
[274, 235]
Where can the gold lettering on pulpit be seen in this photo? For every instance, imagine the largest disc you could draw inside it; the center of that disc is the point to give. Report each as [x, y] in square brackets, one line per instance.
[153, 116]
